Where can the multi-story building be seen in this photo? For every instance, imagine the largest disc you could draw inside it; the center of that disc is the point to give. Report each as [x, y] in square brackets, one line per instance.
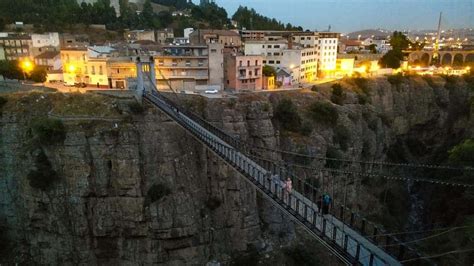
[190, 66]
[164, 36]
[228, 38]
[50, 60]
[300, 62]
[327, 53]
[78, 67]
[2, 53]
[243, 72]
[140, 35]
[40, 43]
[119, 69]
[17, 46]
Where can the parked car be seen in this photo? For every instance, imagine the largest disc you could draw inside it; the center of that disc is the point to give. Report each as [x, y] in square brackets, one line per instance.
[211, 91]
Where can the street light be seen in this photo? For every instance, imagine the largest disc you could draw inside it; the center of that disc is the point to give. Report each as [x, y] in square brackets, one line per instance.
[27, 66]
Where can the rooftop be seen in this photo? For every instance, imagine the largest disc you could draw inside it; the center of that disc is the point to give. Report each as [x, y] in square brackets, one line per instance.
[48, 55]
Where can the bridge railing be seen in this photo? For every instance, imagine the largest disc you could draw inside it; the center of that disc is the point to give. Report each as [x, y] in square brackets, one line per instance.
[303, 210]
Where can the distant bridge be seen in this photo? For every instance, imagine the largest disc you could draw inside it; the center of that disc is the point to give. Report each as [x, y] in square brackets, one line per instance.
[447, 58]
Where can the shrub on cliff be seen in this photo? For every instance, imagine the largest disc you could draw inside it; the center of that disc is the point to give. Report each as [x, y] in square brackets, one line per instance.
[136, 108]
[213, 203]
[342, 136]
[43, 176]
[156, 192]
[338, 95]
[287, 115]
[49, 131]
[3, 101]
[335, 154]
[323, 112]
[396, 79]
[463, 153]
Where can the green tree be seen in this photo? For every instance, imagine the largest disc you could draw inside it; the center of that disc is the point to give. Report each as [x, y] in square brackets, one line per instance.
[373, 48]
[38, 75]
[463, 153]
[287, 114]
[11, 69]
[391, 59]
[269, 71]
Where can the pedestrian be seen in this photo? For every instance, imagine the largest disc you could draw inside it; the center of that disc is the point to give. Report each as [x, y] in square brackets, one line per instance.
[287, 186]
[326, 202]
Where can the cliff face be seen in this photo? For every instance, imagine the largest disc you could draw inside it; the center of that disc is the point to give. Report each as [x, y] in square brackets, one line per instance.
[105, 208]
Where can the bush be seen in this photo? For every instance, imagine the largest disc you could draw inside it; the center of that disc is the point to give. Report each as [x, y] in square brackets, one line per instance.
[333, 153]
[463, 153]
[3, 101]
[287, 115]
[363, 99]
[338, 95]
[136, 108]
[213, 203]
[49, 131]
[43, 177]
[363, 84]
[342, 136]
[323, 112]
[306, 128]
[300, 256]
[396, 79]
[314, 88]
[38, 75]
[156, 192]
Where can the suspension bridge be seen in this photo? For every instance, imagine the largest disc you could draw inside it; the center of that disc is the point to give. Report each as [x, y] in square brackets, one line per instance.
[348, 235]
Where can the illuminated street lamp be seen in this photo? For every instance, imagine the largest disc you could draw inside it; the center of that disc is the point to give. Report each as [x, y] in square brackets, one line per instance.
[27, 66]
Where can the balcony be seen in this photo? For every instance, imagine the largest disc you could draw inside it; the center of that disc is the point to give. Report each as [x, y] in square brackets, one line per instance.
[251, 66]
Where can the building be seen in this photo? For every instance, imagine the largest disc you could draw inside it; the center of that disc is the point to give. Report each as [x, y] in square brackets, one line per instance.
[299, 62]
[190, 67]
[382, 45]
[16, 46]
[228, 38]
[119, 69]
[243, 72]
[344, 67]
[327, 53]
[164, 36]
[48, 42]
[2, 53]
[79, 68]
[187, 32]
[50, 60]
[139, 35]
[350, 46]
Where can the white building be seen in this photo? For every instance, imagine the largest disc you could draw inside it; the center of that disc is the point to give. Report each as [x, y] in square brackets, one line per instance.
[327, 52]
[188, 32]
[45, 40]
[382, 45]
[300, 62]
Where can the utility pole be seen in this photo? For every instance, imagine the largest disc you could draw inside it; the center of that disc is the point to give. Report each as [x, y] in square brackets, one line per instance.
[438, 36]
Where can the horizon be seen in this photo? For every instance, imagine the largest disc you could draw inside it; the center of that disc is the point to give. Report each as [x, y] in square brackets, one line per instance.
[355, 15]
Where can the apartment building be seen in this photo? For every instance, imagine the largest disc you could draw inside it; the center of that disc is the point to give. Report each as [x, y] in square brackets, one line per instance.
[50, 60]
[301, 62]
[41, 43]
[78, 67]
[327, 53]
[139, 35]
[243, 72]
[164, 36]
[119, 69]
[228, 38]
[16, 46]
[190, 67]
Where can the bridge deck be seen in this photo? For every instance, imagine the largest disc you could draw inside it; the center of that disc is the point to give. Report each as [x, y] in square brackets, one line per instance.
[351, 246]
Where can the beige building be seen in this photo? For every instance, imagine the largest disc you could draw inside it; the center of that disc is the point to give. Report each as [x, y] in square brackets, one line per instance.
[164, 36]
[140, 35]
[190, 67]
[228, 38]
[79, 68]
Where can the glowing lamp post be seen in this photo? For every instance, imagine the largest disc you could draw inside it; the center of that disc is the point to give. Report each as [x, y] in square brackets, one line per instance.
[26, 67]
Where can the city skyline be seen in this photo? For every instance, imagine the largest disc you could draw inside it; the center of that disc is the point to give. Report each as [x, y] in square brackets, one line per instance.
[353, 15]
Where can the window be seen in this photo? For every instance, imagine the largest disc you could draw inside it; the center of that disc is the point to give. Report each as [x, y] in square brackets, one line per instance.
[276, 54]
[271, 62]
[256, 62]
[188, 62]
[250, 73]
[277, 45]
[100, 70]
[161, 62]
[264, 61]
[257, 72]
[213, 51]
[175, 62]
[200, 62]
[269, 54]
[263, 46]
[93, 70]
[278, 62]
[240, 63]
[248, 62]
[269, 46]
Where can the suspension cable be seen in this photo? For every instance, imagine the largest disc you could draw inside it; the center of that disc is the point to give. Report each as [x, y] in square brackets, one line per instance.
[439, 255]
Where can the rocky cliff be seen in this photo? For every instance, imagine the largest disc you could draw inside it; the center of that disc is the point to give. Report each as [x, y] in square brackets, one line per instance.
[134, 188]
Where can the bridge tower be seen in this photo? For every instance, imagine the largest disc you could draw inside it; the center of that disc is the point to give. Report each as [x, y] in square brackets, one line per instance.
[146, 75]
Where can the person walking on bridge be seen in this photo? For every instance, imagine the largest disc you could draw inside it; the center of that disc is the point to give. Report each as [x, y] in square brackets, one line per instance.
[287, 187]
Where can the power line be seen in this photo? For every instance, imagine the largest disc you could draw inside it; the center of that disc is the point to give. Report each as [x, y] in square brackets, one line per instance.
[370, 175]
[428, 237]
[439, 255]
[421, 231]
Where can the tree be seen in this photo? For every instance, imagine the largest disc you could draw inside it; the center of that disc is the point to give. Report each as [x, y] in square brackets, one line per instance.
[287, 114]
[38, 75]
[373, 48]
[399, 41]
[391, 59]
[11, 69]
[269, 71]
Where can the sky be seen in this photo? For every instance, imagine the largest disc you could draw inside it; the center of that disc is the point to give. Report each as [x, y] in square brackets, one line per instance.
[351, 15]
